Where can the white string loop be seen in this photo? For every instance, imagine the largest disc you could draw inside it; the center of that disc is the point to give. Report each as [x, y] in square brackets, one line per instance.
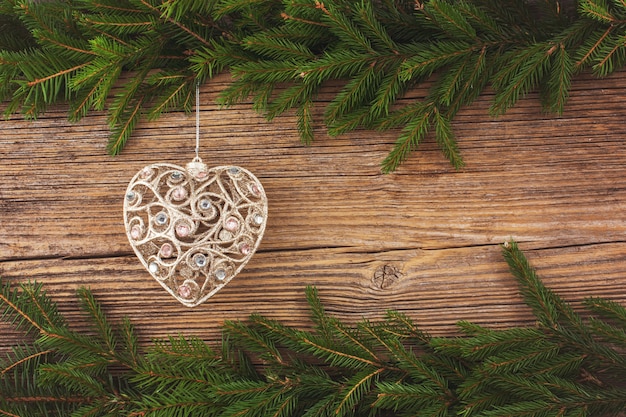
[197, 158]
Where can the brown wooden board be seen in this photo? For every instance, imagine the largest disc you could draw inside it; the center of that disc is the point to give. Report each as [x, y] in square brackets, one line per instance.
[424, 240]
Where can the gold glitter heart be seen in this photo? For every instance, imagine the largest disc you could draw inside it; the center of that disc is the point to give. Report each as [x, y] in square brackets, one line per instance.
[194, 228]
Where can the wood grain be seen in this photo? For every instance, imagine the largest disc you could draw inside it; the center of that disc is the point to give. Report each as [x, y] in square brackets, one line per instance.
[424, 240]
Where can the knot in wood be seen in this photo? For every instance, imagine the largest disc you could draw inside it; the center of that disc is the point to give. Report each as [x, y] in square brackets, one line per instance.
[385, 276]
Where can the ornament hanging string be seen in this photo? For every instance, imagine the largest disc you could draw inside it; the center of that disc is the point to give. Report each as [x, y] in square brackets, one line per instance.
[197, 159]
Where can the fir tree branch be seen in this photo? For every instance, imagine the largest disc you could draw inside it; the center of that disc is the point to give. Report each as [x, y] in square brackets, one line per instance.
[258, 342]
[39, 81]
[11, 307]
[121, 133]
[305, 121]
[605, 65]
[446, 139]
[563, 365]
[22, 361]
[596, 10]
[338, 358]
[558, 85]
[64, 45]
[450, 19]
[609, 309]
[379, 50]
[412, 135]
[546, 306]
[593, 49]
[343, 27]
[357, 391]
[179, 25]
[47, 399]
[412, 331]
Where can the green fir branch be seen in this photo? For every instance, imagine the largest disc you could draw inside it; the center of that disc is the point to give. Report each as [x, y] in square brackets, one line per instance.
[522, 71]
[175, 93]
[124, 125]
[429, 58]
[596, 9]
[412, 135]
[612, 55]
[450, 19]
[447, 140]
[391, 88]
[548, 307]
[357, 389]
[607, 309]
[29, 309]
[565, 365]
[80, 52]
[355, 94]
[305, 121]
[406, 398]
[556, 92]
[343, 27]
[257, 341]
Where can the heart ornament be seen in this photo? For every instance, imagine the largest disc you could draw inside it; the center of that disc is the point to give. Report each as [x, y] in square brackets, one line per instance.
[194, 228]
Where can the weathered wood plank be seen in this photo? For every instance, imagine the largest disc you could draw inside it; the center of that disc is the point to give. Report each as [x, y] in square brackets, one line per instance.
[555, 184]
[435, 287]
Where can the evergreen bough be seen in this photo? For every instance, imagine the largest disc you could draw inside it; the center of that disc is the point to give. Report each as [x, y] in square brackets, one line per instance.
[565, 365]
[139, 58]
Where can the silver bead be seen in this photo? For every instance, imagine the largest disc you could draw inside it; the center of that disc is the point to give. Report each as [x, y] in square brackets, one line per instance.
[205, 204]
[161, 218]
[220, 274]
[200, 260]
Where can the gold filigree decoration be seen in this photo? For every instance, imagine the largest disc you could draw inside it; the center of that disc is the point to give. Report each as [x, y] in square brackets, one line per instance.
[194, 228]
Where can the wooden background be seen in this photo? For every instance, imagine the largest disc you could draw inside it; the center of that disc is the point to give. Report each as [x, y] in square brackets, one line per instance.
[424, 240]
